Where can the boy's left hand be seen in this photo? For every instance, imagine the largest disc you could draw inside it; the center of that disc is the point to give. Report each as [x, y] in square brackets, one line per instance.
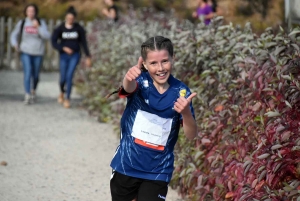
[182, 105]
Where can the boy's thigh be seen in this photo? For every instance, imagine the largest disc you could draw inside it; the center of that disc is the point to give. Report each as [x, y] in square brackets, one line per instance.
[151, 190]
[124, 188]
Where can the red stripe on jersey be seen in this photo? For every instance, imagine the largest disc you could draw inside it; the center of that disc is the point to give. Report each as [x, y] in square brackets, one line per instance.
[149, 145]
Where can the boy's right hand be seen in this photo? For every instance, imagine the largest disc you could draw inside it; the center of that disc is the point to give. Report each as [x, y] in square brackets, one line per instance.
[134, 71]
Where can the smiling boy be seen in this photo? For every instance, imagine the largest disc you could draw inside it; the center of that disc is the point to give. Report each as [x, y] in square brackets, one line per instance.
[157, 104]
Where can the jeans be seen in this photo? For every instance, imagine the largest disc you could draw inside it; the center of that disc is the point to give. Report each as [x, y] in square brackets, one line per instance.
[67, 68]
[31, 67]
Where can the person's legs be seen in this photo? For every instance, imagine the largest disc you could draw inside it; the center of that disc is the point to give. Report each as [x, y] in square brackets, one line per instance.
[36, 66]
[26, 61]
[69, 76]
[124, 188]
[152, 190]
[37, 63]
[63, 66]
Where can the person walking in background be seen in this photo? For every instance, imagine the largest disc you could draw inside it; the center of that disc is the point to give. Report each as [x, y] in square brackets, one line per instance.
[204, 12]
[28, 37]
[67, 39]
[215, 8]
[112, 12]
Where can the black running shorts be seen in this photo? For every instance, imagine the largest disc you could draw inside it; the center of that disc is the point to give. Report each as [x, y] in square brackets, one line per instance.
[126, 188]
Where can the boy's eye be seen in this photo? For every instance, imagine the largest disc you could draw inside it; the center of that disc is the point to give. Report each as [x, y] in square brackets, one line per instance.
[153, 63]
[165, 61]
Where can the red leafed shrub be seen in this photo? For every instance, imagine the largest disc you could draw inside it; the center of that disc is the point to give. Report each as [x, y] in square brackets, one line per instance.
[247, 104]
[248, 145]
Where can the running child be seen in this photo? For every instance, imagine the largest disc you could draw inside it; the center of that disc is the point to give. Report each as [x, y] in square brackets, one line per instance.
[157, 104]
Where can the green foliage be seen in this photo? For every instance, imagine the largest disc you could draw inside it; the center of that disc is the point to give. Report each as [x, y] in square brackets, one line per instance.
[247, 105]
[56, 11]
[260, 6]
[47, 10]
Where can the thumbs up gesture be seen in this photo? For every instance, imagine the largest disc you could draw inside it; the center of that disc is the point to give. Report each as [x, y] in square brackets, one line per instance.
[182, 105]
[134, 71]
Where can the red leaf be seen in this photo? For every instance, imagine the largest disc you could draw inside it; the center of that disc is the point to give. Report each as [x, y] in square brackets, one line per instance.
[219, 108]
[258, 186]
[229, 195]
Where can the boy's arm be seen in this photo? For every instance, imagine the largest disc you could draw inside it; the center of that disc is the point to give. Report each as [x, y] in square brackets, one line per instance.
[182, 106]
[129, 81]
[189, 125]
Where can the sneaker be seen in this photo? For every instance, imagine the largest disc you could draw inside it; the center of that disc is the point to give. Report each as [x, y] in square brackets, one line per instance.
[60, 98]
[27, 99]
[33, 97]
[67, 104]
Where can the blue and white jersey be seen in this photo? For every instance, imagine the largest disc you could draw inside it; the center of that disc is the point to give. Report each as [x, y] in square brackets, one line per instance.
[149, 130]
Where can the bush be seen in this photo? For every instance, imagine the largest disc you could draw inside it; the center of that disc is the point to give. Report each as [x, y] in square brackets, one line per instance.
[247, 105]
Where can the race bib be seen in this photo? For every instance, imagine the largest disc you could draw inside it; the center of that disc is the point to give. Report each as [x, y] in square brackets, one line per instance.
[151, 130]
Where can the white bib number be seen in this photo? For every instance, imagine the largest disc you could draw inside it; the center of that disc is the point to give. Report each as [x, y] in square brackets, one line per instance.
[151, 128]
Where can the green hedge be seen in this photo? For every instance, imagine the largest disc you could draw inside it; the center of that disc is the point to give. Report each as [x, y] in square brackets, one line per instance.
[246, 108]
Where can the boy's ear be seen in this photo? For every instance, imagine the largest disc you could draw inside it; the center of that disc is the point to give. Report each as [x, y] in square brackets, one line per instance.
[144, 64]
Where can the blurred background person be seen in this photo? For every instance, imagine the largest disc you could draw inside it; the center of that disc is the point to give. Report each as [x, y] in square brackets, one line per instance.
[215, 8]
[28, 37]
[112, 11]
[67, 39]
[204, 12]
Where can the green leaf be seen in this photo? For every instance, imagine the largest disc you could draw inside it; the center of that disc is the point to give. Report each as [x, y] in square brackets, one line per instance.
[198, 154]
[272, 114]
[293, 33]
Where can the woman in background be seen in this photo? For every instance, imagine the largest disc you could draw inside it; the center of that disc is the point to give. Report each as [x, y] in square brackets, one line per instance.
[215, 8]
[28, 37]
[112, 12]
[67, 39]
[204, 12]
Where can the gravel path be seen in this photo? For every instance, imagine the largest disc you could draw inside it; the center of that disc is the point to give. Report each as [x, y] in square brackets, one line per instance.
[52, 153]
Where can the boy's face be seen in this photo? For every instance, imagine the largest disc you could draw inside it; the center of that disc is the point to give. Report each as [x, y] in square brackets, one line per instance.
[159, 66]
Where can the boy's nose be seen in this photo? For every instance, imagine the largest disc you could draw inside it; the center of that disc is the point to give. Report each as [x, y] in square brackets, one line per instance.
[160, 66]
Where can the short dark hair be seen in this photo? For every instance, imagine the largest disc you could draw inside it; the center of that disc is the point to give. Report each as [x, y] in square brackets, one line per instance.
[156, 43]
[71, 10]
[35, 8]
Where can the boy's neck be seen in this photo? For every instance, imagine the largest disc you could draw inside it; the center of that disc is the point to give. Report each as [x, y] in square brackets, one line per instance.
[161, 88]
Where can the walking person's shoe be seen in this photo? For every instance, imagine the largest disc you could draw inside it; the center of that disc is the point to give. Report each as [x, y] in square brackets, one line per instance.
[33, 97]
[60, 98]
[67, 103]
[27, 99]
